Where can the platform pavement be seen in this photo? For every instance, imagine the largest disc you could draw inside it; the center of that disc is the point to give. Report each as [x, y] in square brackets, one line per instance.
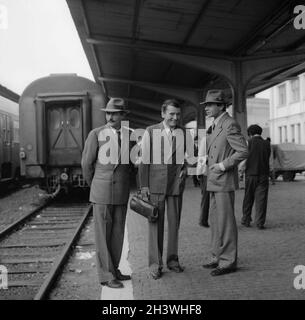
[266, 257]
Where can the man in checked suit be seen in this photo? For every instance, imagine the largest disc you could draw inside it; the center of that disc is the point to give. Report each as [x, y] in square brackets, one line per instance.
[108, 179]
[162, 176]
[226, 147]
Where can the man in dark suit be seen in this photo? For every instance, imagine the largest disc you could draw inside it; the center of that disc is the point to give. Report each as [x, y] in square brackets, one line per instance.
[108, 179]
[226, 147]
[162, 175]
[257, 177]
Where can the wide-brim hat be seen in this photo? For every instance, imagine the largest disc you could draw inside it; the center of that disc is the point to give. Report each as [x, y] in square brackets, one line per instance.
[215, 96]
[116, 105]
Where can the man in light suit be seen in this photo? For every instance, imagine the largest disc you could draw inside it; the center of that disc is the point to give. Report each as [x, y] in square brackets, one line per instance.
[226, 147]
[163, 182]
[108, 179]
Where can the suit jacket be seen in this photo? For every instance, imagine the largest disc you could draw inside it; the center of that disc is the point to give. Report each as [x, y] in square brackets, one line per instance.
[258, 159]
[225, 144]
[102, 166]
[162, 177]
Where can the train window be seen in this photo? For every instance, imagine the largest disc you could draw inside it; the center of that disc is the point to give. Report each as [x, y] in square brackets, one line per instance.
[1, 124]
[54, 120]
[16, 131]
[8, 129]
[74, 118]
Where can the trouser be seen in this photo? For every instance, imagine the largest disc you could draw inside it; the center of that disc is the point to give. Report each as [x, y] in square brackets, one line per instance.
[205, 201]
[109, 226]
[256, 189]
[223, 229]
[156, 231]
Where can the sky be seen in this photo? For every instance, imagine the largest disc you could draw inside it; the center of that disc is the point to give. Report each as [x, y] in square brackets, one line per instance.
[38, 37]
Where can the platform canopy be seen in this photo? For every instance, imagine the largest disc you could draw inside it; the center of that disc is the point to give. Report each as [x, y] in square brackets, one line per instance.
[149, 50]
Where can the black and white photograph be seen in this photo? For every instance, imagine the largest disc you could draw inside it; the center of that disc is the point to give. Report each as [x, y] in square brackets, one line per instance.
[152, 151]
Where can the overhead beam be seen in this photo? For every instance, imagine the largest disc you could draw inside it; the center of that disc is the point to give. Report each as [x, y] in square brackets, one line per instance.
[6, 93]
[212, 65]
[179, 92]
[196, 22]
[154, 46]
[146, 83]
[251, 38]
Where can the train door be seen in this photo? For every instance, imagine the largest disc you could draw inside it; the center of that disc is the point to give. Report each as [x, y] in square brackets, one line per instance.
[64, 132]
[6, 146]
[1, 144]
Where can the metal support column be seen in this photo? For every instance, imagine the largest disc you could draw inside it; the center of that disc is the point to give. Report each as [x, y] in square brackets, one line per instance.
[239, 103]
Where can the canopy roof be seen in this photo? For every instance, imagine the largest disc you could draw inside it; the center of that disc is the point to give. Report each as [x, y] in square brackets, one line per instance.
[149, 50]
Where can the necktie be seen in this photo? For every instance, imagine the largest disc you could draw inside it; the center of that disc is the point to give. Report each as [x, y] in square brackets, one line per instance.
[211, 128]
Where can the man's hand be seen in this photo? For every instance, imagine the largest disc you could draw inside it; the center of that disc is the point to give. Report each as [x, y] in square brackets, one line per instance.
[183, 173]
[216, 168]
[145, 192]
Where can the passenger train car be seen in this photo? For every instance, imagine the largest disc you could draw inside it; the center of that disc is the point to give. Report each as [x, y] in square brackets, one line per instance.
[56, 114]
[9, 140]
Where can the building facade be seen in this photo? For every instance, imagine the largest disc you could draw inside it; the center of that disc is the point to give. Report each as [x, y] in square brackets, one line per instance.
[287, 111]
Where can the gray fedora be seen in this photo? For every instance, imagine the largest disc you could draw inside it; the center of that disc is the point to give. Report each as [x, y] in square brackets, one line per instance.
[116, 105]
[215, 96]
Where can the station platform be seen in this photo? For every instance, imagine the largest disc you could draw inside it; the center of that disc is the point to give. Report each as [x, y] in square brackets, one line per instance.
[266, 263]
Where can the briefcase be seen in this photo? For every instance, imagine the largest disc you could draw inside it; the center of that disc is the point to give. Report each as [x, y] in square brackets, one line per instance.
[144, 208]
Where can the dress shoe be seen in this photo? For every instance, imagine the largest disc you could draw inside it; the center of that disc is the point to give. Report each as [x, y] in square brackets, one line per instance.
[156, 274]
[261, 227]
[122, 277]
[210, 265]
[204, 224]
[220, 271]
[246, 224]
[114, 284]
[177, 268]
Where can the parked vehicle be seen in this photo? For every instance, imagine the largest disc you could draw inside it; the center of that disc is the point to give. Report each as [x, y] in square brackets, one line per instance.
[56, 114]
[289, 159]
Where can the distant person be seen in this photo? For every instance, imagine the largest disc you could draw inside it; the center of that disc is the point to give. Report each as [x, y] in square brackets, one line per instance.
[271, 163]
[257, 178]
[226, 148]
[109, 190]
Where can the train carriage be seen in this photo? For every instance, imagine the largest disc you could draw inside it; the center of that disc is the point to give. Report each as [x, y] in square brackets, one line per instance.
[56, 114]
[9, 141]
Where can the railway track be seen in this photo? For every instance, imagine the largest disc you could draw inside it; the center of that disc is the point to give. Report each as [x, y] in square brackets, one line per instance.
[35, 248]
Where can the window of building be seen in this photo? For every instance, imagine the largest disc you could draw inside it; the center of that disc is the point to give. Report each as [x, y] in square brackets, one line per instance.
[15, 131]
[282, 95]
[280, 134]
[292, 133]
[298, 133]
[295, 90]
[285, 134]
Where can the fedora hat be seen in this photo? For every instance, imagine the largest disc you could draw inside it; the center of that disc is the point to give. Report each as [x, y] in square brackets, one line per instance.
[116, 105]
[215, 96]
